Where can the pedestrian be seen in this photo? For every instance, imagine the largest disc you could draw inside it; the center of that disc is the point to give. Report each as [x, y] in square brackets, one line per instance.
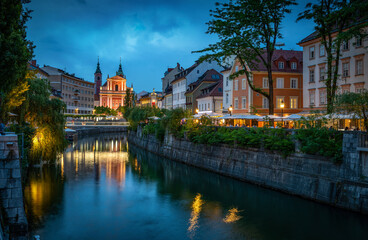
[346, 129]
[2, 128]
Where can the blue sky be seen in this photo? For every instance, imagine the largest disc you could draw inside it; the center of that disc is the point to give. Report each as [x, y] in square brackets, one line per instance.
[149, 36]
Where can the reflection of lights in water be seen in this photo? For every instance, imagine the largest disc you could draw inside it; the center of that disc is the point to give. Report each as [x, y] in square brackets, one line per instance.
[62, 165]
[196, 209]
[232, 216]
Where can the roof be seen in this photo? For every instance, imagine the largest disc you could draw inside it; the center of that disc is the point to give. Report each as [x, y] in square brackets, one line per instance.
[56, 71]
[185, 72]
[215, 90]
[288, 56]
[315, 34]
[209, 75]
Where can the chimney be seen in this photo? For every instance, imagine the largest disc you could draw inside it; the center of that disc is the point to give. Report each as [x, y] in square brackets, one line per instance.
[34, 62]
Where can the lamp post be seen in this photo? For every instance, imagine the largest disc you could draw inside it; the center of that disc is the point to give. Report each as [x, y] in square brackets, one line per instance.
[282, 105]
[197, 110]
[230, 109]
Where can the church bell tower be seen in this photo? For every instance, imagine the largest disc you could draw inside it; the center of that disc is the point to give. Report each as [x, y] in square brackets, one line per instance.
[98, 81]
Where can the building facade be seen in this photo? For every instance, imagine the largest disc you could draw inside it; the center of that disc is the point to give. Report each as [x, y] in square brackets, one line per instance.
[287, 73]
[194, 90]
[169, 76]
[188, 76]
[77, 93]
[228, 90]
[352, 70]
[113, 92]
[210, 101]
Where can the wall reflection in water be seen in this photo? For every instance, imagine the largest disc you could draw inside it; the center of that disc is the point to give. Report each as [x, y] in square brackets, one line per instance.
[44, 186]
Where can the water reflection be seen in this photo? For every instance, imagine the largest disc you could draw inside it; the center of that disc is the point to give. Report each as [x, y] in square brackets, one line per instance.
[103, 189]
[232, 216]
[196, 210]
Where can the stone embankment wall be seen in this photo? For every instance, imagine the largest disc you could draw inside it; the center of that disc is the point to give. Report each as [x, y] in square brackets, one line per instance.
[11, 195]
[307, 176]
[87, 130]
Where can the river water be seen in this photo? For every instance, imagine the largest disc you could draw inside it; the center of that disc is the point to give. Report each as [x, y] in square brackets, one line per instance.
[104, 188]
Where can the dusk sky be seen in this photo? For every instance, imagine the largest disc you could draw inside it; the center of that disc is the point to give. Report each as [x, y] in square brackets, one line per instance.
[149, 36]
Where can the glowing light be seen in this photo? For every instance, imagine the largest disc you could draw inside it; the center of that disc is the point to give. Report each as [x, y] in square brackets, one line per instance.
[196, 210]
[232, 216]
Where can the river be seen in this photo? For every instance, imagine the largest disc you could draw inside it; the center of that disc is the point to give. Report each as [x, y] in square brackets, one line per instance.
[104, 188]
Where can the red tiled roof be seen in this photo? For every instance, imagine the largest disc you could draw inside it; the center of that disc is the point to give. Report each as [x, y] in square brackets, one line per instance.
[288, 55]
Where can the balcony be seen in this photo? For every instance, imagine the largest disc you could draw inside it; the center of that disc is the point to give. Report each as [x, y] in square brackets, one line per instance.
[76, 92]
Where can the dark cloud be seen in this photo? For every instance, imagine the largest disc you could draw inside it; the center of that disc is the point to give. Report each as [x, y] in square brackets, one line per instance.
[148, 35]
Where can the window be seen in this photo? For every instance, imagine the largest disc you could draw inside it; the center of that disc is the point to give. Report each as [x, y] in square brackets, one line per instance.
[359, 90]
[208, 106]
[293, 65]
[322, 97]
[236, 69]
[244, 102]
[279, 83]
[265, 82]
[281, 65]
[265, 102]
[293, 83]
[236, 85]
[359, 67]
[311, 52]
[322, 73]
[182, 95]
[227, 81]
[236, 104]
[311, 75]
[293, 102]
[244, 83]
[278, 101]
[345, 69]
[116, 88]
[358, 42]
[311, 98]
[227, 98]
[345, 45]
[197, 71]
[321, 50]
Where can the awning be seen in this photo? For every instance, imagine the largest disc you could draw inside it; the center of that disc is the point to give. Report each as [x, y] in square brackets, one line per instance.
[292, 117]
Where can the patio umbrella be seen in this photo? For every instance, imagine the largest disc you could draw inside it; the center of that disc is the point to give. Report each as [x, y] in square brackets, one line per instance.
[293, 117]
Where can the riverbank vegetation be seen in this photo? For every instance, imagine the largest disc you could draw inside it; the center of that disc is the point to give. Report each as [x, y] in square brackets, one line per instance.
[311, 138]
[25, 103]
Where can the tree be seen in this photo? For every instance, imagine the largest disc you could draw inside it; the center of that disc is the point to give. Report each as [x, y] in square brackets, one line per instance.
[15, 52]
[248, 30]
[336, 21]
[353, 103]
[46, 116]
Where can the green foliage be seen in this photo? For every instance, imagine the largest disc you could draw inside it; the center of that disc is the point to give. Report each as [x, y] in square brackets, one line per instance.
[139, 115]
[353, 103]
[15, 52]
[45, 115]
[321, 141]
[105, 111]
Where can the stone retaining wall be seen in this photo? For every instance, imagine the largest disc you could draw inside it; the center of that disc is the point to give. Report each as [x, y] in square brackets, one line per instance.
[11, 194]
[307, 176]
[87, 130]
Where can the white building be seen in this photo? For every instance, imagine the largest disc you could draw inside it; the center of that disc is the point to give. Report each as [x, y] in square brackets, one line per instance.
[353, 70]
[228, 89]
[169, 76]
[186, 77]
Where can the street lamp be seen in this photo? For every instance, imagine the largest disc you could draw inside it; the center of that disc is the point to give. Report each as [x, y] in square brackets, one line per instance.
[197, 110]
[282, 105]
[230, 109]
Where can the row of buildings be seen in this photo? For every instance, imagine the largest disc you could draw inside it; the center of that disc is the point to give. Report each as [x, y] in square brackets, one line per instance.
[81, 96]
[298, 82]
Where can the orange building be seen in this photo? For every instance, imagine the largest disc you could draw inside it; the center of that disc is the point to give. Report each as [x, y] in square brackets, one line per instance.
[113, 92]
[287, 74]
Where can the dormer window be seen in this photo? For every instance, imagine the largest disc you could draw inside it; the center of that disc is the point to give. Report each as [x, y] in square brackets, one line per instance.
[281, 65]
[293, 65]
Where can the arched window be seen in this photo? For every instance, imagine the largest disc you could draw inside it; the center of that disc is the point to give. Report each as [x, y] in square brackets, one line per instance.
[98, 78]
[116, 88]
